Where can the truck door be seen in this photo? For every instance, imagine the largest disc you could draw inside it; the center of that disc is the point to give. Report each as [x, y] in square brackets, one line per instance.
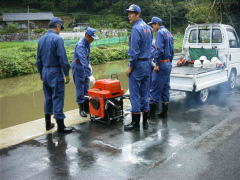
[234, 50]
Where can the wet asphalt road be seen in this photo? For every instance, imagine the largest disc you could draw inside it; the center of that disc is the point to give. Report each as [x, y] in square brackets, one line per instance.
[96, 151]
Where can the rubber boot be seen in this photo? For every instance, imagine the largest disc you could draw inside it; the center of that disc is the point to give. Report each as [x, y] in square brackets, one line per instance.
[48, 123]
[145, 120]
[134, 124]
[62, 128]
[81, 110]
[163, 114]
[86, 106]
[152, 113]
[164, 123]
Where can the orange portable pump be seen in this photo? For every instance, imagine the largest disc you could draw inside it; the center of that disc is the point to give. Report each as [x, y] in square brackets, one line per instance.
[106, 101]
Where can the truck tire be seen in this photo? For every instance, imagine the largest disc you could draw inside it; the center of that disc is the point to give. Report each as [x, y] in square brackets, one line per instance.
[201, 97]
[232, 80]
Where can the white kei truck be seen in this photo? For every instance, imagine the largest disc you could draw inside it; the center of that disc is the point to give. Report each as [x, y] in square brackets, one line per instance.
[210, 40]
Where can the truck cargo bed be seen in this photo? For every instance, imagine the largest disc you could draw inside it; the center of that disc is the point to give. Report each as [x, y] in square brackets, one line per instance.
[186, 78]
[188, 70]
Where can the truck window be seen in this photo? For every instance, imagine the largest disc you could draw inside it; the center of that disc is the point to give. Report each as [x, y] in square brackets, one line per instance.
[233, 42]
[216, 36]
[193, 36]
[204, 36]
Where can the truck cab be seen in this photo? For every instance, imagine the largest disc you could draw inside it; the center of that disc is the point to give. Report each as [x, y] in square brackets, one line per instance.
[210, 40]
[223, 38]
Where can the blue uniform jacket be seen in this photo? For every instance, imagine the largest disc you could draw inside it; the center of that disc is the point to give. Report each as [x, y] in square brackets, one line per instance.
[51, 53]
[81, 53]
[164, 45]
[139, 42]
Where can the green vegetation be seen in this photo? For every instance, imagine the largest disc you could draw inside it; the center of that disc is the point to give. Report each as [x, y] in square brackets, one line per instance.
[18, 58]
[112, 14]
[178, 41]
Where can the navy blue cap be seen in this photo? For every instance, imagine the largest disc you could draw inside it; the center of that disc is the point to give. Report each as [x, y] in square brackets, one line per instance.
[56, 20]
[155, 20]
[134, 8]
[91, 32]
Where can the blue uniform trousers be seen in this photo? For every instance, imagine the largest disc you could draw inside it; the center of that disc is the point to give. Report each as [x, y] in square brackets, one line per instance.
[139, 87]
[81, 82]
[53, 88]
[160, 85]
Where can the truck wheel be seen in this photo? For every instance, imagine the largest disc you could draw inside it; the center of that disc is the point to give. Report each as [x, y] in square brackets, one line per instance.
[232, 80]
[202, 96]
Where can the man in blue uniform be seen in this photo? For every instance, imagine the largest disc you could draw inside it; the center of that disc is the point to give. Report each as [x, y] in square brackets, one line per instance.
[53, 65]
[82, 69]
[139, 67]
[152, 55]
[160, 87]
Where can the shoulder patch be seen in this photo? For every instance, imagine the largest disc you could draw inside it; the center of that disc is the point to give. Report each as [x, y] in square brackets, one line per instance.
[147, 30]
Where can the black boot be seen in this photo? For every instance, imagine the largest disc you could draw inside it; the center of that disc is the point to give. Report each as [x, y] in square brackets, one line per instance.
[86, 106]
[48, 123]
[62, 128]
[81, 110]
[164, 123]
[134, 124]
[163, 114]
[145, 120]
[152, 112]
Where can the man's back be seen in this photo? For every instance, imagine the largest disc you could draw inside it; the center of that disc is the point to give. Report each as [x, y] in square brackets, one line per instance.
[48, 49]
[168, 43]
[51, 53]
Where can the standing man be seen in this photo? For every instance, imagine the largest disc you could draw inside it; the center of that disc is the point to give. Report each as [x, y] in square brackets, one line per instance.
[160, 87]
[139, 67]
[153, 51]
[52, 64]
[82, 71]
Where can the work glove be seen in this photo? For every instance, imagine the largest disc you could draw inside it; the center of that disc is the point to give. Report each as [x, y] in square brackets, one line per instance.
[92, 79]
[67, 79]
[90, 67]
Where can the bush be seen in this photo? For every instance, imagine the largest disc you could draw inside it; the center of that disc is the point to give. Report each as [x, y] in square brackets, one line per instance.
[17, 61]
[98, 56]
[18, 58]
[39, 30]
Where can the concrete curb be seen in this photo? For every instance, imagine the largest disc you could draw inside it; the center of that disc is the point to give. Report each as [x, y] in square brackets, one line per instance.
[23, 132]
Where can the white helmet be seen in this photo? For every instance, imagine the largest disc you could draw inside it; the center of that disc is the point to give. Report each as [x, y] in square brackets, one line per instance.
[197, 63]
[206, 64]
[203, 58]
[214, 61]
